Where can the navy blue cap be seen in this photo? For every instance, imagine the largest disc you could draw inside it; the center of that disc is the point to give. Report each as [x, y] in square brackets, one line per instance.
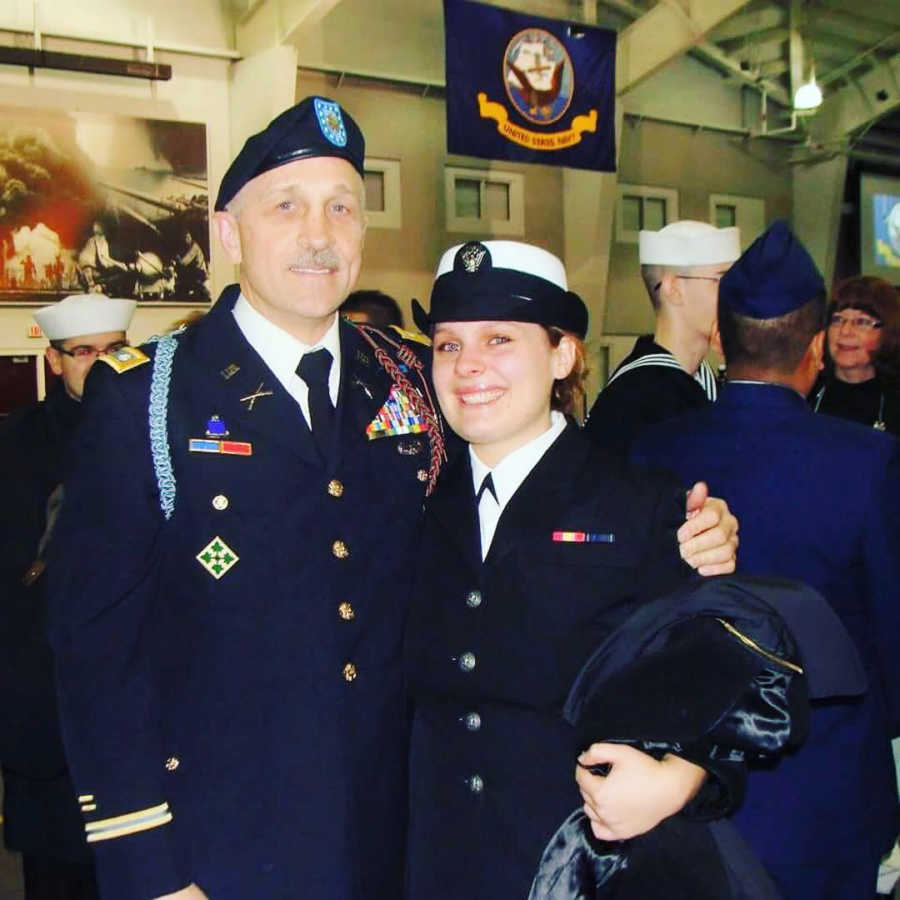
[774, 276]
[502, 281]
[316, 126]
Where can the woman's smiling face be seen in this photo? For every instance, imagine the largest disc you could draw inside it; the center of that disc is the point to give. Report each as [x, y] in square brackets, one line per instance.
[494, 382]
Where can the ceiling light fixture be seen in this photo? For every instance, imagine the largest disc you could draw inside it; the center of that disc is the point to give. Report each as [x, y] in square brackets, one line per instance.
[809, 95]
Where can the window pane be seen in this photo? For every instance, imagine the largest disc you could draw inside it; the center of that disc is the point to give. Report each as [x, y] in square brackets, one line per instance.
[468, 198]
[631, 213]
[496, 198]
[654, 213]
[726, 216]
[375, 191]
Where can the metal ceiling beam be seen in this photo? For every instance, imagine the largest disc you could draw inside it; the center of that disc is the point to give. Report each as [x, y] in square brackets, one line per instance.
[848, 25]
[767, 36]
[774, 69]
[664, 33]
[713, 55]
[867, 55]
[869, 97]
[750, 76]
[828, 39]
[748, 23]
[877, 12]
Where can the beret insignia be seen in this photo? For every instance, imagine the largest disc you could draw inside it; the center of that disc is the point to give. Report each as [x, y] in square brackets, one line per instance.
[331, 122]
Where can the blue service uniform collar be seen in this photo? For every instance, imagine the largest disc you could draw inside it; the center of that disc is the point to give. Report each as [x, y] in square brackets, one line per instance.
[760, 393]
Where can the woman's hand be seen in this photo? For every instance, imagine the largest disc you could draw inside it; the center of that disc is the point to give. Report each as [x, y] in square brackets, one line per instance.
[639, 791]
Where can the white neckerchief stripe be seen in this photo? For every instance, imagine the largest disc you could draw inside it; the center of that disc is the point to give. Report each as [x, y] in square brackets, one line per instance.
[704, 376]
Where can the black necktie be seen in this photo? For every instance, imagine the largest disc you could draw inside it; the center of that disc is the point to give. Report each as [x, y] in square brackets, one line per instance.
[314, 369]
[487, 485]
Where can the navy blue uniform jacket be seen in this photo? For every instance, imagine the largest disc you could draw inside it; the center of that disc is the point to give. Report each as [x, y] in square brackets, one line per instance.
[39, 808]
[228, 703]
[818, 500]
[492, 760]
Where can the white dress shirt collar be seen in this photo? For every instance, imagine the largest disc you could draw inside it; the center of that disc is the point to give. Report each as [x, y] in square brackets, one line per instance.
[508, 475]
[281, 351]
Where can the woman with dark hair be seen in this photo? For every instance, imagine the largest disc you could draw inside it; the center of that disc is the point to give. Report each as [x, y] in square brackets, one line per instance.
[861, 381]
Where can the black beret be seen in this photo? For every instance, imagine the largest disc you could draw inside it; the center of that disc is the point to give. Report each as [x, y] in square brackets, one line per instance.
[774, 276]
[316, 126]
[502, 281]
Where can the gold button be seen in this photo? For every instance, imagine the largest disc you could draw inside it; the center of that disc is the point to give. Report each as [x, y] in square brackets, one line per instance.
[335, 488]
[346, 612]
[422, 475]
[349, 672]
[220, 502]
[339, 549]
[172, 763]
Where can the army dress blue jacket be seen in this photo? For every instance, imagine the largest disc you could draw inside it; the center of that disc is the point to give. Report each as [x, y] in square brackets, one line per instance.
[818, 500]
[230, 677]
[493, 648]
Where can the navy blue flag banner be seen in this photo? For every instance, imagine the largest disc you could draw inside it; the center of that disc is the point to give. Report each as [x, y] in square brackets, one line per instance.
[529, 89]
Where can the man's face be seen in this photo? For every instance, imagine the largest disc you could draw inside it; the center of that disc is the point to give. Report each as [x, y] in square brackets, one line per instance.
[297, 232]
[700, 289]
[78, 354]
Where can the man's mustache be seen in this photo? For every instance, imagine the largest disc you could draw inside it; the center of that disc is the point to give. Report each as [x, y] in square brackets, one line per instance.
[325, 258]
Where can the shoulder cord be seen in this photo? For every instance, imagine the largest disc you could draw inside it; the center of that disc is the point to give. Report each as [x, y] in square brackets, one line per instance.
[158, 414]
[421, 406]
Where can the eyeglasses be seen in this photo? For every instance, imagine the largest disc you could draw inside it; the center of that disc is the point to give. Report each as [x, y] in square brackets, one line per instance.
[715, 278]
[861, 323]
[83, 351]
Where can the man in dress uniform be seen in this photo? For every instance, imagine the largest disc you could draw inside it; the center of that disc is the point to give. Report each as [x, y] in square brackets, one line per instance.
[41, 818]
[232, 580]
[233, 572]
[666, 373]
[819, 501]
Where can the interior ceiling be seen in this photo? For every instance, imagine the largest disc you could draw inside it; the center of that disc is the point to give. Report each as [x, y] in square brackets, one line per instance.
[755, 46]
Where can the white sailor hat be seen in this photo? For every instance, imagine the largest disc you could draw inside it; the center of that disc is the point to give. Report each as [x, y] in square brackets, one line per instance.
[502, 281]
[84, 314]
[689, 243]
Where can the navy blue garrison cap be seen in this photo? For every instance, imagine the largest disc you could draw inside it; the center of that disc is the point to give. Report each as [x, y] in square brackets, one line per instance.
[316, 126]
[774, 276]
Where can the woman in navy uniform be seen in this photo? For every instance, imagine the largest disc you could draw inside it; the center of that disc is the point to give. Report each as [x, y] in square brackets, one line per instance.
[536, 546]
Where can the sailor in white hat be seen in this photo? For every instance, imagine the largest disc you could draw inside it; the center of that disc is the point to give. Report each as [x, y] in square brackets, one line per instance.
[666, 373]
[81, 328]
[42, 816]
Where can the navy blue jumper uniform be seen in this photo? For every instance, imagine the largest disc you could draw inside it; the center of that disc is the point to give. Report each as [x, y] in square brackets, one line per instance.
[228, 629]
[648, 386]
